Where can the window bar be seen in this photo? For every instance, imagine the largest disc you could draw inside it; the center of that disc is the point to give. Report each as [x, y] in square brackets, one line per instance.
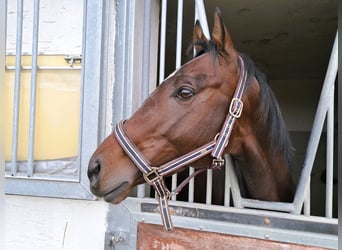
[201, 15]
[33, 93]
[317, 127]
[227, 184]
[174, 185]
[191, 186]
[146, 50]
[178, 64]
[104, 72]
[45, 68]
[330, 157]
[209, 186]
[233, 182]
[16, 99]
[307, 199]
[179, 34]
[128, 53]
[121, 54]
[145, 67]
[162, 41]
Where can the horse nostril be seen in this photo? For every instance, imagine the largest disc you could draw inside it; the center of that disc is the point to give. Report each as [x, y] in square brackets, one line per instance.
[94, 170]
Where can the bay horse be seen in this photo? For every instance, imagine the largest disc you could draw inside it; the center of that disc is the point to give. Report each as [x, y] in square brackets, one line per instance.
[217, 94]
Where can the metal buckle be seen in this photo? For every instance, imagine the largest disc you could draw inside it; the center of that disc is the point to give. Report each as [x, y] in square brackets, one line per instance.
[236, 102]
[217, 163]
[152, 176]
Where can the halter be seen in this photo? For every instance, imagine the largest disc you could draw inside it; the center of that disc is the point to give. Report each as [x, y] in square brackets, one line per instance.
[154, 175]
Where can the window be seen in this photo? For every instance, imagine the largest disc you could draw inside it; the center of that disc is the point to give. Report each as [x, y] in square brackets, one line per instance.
[52, 99]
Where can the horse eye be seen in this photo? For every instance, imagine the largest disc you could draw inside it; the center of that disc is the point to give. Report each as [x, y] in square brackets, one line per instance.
[185, 93]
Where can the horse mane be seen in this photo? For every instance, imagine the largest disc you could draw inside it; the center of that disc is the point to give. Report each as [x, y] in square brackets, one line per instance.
[270, 114]
[268, 111]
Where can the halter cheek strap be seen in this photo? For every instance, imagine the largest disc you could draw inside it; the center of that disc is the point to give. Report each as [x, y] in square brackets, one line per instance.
[154, 175]
[151, 175]
[235, 111]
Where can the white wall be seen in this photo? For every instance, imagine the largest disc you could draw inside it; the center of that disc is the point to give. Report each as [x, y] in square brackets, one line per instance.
[60, 27]
[49, 223]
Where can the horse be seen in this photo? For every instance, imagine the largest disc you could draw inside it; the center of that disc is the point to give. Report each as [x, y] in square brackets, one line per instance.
[218, 97]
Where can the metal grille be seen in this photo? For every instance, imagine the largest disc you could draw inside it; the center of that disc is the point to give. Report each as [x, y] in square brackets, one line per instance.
[30, 167]
[56, 176]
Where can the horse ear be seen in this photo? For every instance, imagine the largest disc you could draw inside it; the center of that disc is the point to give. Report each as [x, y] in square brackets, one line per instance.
[198, 37]
[221, 36]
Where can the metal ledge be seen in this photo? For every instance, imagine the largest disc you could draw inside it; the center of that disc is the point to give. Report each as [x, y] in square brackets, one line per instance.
[305, 230]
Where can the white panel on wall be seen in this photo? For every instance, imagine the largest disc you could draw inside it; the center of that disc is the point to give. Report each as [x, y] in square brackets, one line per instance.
[60, 27]
[33, 223]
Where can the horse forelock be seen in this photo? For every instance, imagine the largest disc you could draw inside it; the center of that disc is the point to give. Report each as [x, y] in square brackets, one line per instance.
[204, 47]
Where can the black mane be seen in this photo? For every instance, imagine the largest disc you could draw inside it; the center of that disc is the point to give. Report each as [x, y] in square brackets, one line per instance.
[269, 112]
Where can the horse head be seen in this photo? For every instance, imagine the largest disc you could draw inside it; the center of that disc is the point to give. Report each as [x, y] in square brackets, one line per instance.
[185, 112]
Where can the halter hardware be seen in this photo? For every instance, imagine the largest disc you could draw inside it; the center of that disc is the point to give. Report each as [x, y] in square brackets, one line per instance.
[217, 163]
[235, 108]
[154, 175]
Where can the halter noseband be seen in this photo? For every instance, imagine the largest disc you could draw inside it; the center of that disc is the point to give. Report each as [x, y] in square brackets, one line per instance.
[154, 175]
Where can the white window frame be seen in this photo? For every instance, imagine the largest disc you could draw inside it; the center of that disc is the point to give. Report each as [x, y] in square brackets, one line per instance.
[93, 117]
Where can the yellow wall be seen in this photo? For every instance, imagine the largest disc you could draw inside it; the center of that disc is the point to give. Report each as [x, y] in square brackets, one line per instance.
[57, 109]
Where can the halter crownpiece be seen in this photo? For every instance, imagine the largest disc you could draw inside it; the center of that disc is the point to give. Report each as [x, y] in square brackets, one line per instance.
[154, 175]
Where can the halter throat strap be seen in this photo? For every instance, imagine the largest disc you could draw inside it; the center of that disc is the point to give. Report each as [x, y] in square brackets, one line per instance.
[154, 175]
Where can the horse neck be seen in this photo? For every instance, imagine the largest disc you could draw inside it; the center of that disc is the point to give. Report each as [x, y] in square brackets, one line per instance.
[264, 171]
[265, 175]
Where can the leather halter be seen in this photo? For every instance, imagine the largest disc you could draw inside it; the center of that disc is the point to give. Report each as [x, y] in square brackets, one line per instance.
[154, 175]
